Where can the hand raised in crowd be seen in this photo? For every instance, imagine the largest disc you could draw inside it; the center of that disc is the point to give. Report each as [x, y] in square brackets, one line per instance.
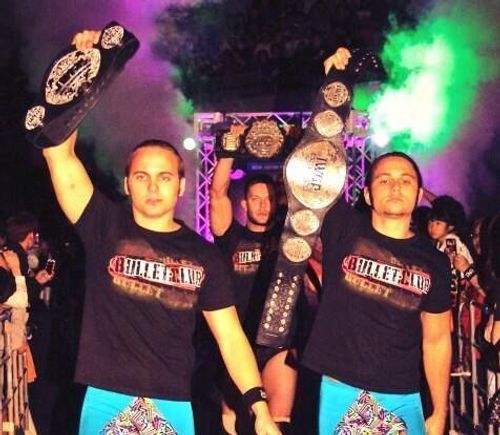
[12, 260]
[86, 39]
[43, 277]
[460, 263]
[339, 59]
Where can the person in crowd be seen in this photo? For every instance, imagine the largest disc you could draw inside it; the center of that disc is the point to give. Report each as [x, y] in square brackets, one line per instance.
[447, 227]
[251, 251]
[486, 242]
[147, 276]
[7, 283]
[23, 238]
[14, 295]
[14, 284]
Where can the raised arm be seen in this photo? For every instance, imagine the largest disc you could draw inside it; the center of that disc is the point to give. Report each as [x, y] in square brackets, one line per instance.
[240, 361]
[70, 179]
[221, 209]
[436, 346]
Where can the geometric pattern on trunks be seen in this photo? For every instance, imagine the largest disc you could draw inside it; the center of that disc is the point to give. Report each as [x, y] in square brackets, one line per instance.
[366, 417]
[141, 417]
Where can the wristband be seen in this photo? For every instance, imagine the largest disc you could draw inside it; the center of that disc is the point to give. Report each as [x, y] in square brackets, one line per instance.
[254, 395]
[470, 273]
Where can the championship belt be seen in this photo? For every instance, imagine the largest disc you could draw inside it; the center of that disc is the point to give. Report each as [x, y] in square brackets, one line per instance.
[263, 139]
[73, 85]
[314, 176]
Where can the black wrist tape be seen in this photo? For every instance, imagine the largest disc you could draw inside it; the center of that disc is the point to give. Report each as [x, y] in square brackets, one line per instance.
[254, 395]
[470, 273]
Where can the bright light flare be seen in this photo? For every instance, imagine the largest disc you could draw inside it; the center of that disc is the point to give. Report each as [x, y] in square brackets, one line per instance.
[189, 144]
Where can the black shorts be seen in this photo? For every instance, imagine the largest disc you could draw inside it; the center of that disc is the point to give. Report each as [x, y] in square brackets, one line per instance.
[263, 354]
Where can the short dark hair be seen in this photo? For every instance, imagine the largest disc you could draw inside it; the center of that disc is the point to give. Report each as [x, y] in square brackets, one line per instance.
[20, 225]
[155, 143]
[420, 220]
[257, 179]
[447, 209]
[373, 166]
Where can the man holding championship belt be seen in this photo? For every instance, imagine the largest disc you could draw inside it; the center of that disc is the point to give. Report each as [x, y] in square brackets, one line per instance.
[314, 174]
[147, 275]
[385, 306]
[251, 252]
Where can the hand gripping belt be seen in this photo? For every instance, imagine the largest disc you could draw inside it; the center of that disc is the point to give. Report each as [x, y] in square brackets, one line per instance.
[314, 175]
[74, 83]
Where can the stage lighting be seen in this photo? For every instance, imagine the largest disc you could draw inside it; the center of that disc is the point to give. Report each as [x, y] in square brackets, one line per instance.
[189, 144]
[237, 174]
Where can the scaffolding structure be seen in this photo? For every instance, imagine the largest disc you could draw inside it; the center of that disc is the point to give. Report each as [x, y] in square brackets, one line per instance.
[358, 149]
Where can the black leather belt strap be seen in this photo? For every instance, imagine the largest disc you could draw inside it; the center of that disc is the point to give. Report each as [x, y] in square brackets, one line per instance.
[73, 85]
[314, 175]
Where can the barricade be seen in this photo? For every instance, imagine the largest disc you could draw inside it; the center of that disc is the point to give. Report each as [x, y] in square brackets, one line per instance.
[475, 383]
[15, 416]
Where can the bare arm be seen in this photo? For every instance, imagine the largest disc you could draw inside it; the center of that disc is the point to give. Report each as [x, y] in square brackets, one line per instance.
[9, 260]
[221, 209]
[239, 360]
[70, 179]
[436, 346]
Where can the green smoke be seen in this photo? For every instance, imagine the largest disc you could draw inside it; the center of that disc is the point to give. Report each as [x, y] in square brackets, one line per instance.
[435, 72]
[185, 107]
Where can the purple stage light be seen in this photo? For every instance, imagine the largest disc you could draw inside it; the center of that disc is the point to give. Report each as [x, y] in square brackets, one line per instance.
[237, 174]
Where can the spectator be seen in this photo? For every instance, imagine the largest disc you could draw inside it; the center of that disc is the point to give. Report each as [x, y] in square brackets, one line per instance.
[446, 228]
[18, 300]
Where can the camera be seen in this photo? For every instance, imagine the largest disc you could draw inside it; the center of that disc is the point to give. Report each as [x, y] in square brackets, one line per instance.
[49, 267]
[451, 246]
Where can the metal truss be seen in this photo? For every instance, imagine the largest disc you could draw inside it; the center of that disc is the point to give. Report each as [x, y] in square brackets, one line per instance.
[359, 154]
[357, 148]
[206, 164]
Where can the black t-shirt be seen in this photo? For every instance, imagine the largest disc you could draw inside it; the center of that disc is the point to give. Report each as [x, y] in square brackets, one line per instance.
[143, 292]
[251, 256]
[368, 330]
